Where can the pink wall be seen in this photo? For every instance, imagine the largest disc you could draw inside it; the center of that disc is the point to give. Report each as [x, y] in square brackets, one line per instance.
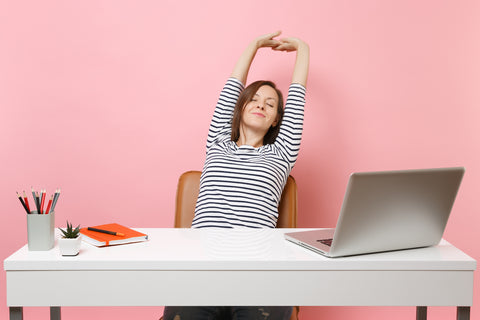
[111, 100]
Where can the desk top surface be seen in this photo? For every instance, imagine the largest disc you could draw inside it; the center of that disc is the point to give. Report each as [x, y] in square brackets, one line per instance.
[232, 249]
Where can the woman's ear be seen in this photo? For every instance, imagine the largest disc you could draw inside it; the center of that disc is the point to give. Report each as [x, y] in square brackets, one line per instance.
[274, 123]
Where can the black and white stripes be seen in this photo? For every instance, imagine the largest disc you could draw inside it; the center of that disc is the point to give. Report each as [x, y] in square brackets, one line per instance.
[242, 186]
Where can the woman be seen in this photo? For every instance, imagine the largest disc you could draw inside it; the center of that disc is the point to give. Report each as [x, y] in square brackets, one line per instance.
[252, 146]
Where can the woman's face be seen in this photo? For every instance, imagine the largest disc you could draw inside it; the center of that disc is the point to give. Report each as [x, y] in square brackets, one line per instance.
[260, 113]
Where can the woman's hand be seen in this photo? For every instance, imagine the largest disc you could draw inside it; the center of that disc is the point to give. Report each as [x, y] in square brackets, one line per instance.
[240, 71]
[290, 44]
[300, 73]
[268, 40]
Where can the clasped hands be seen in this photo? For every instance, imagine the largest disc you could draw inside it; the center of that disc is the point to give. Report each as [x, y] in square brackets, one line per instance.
[284, 44]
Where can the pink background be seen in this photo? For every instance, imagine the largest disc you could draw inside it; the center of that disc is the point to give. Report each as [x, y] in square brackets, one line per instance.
[111, 100]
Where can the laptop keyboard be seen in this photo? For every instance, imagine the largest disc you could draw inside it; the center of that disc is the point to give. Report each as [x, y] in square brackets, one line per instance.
[327, 242]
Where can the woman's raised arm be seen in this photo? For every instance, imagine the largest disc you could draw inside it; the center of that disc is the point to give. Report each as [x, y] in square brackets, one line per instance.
[300, 72]
[240, 71]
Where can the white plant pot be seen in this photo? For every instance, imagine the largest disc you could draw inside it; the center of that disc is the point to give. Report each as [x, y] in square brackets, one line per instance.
[69, 247]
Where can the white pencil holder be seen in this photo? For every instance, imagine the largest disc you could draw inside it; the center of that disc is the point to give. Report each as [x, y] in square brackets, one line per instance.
[40, 231]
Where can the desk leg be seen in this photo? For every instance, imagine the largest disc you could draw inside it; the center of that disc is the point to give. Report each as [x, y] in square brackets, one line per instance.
[421, 313]
[16, 313]
[55, 313]
[463, 313]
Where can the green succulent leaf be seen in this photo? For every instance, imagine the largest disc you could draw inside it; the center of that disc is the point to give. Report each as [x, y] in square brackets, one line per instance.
[70, 232]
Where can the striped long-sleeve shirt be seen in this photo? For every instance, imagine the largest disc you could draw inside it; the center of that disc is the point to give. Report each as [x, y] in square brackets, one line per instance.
[241, 186]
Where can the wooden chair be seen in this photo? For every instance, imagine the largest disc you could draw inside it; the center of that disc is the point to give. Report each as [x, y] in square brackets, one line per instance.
[186, 199]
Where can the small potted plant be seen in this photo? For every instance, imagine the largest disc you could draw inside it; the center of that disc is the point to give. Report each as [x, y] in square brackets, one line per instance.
[69, 243]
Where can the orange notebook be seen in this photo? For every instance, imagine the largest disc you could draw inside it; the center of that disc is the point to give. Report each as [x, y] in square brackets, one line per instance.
[102, 239]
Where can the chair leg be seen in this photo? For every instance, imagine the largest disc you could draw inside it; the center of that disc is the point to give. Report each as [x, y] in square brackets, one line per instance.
[295, 312]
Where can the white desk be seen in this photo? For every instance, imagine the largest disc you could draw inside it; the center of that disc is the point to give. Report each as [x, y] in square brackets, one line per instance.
[200, 267]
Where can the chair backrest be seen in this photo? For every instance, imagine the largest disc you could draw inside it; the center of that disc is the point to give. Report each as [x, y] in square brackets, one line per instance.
[187, 194]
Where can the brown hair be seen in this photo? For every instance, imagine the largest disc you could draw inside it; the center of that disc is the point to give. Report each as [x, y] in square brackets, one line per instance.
[245, 97]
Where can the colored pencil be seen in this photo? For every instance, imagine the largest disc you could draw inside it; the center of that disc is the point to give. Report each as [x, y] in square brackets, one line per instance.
[55, 199]
[43, 201]
[22, 202]
[35, 200]
[26, 201]
[49, 205]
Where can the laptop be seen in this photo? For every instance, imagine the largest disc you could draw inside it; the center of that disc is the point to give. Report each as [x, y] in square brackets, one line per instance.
[386, 211]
